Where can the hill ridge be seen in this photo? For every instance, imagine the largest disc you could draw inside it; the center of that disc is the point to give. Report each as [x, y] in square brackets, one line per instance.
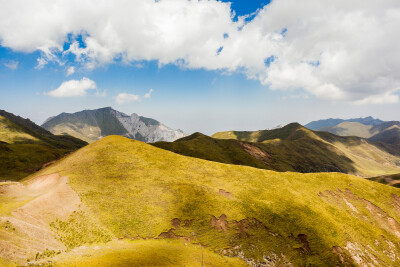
[26, 147]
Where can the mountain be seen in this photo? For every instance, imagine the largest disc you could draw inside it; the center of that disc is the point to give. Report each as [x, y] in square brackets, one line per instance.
[316, 125]
[122, 202]
[25, 146]
[388, 137]
[292, 148]
[91, 125]
[351, 129]
[385, 134]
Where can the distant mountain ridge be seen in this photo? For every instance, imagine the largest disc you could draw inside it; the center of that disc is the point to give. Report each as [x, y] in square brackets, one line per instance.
[91, 125]
[316, 125]
[290, 148]
[385, 134]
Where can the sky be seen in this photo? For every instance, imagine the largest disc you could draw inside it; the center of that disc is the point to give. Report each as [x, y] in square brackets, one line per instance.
[202, 66]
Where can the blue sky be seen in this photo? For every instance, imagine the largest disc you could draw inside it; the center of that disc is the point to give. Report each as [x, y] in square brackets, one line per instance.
[191, 94]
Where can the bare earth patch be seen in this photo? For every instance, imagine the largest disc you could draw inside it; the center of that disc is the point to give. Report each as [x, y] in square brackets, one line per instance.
[29, 231]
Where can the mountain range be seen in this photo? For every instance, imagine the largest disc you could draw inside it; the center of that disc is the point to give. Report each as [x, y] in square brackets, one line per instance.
[316, 125]
[385, 134]
[91, 125]
[290, 148]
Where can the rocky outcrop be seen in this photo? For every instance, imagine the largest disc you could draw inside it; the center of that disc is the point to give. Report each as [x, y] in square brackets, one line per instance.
[146, 129]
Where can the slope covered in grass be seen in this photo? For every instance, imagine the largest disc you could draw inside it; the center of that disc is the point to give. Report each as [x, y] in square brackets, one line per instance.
[350, 129]
[316, 125]
[393, 180]
[296, 148]
[137, 191]
[145, 253]
[389, 138]
[25, 146]
[301, 155]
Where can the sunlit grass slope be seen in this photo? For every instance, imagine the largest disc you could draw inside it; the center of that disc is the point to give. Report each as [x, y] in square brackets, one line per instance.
[145, 253]
[139, 191]
[296, 148]
[302, 155]
[25, 147]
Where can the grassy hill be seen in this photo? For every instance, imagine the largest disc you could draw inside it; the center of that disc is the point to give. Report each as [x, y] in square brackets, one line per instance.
[302, 155]
[350, 129]
[117, 189]
[389, 138]
[25, 146]
[393, 179]
[317, 125]
[384, 134]
[296, 148]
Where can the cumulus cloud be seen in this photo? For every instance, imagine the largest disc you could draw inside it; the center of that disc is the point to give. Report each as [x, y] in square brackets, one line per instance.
[70, 71]
[339, 50]
[387, 98]
[73, 88]
[125, 98]
[148, 94]
[13, 64]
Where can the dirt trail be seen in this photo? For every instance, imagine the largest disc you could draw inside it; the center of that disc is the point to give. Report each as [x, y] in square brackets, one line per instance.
[26, 230]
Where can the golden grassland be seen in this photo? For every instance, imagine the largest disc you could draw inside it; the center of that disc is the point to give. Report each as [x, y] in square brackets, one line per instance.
[145, 253]
[137, 191]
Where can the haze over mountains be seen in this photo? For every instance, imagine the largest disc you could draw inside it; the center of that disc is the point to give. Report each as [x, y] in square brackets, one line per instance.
[91, 125]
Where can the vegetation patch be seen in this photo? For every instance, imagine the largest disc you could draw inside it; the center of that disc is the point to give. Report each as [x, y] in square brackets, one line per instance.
[79, 229]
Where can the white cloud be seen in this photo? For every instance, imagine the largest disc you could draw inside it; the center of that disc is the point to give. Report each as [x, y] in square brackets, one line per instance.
[41, 62]
[13, 64]
[73, 88]
[148, 94]
[387, 98]
[101, 93]
[124, 98]
[337, 50]
[70, 71]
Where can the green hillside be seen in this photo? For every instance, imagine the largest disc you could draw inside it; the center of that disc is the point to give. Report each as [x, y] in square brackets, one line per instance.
[384, 134]
[296, 148]
[127, 189]
[393, 179]
[25, 146]
[302, 155]
[389, 139]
